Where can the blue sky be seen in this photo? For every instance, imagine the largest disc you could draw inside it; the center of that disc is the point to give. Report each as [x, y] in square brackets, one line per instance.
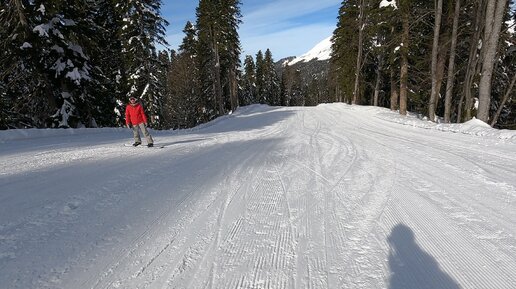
[286, 27]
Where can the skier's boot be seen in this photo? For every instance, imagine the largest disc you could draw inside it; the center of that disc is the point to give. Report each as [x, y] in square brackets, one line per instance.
[137, 144]
[150, 145]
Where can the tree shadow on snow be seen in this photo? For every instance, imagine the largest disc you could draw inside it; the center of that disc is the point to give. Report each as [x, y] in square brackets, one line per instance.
[411, 267]
[258, 118]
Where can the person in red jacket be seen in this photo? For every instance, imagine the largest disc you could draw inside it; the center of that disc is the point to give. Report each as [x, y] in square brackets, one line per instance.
[135, 118]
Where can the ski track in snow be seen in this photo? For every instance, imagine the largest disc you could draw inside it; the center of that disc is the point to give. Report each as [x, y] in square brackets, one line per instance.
[323, 197]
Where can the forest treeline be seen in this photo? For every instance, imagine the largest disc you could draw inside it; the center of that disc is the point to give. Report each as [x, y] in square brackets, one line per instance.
[447, 60]
[75, 64]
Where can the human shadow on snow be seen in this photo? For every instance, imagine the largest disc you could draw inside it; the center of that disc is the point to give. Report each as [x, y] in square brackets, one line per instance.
[411, 267]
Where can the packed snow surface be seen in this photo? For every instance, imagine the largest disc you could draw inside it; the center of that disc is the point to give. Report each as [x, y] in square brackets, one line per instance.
[333, 196]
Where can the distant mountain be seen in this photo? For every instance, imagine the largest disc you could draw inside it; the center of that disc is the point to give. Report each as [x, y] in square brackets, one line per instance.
[313, 64]
[321, 51]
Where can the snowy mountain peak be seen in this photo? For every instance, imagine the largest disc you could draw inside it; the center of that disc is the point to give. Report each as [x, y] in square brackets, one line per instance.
[321, 51]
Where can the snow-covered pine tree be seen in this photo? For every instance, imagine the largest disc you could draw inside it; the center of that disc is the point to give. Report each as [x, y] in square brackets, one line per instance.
[51, 73]
[107, 56]
[188, 59]
[260, 78]
[271, 85]
[142, 28]
[248, 82]
[344, 49]
[218, 54]
[160, 70]
[230, 51]
[208, 32]
[23, 86]
[62, 31]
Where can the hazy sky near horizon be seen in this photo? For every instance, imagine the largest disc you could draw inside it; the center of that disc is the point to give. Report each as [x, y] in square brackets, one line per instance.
[286, 27]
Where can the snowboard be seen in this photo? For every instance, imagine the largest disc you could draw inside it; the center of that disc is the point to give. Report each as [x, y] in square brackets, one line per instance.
[156, 146]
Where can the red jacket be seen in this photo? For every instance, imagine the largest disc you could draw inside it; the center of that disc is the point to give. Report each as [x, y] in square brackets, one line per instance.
[134, 114]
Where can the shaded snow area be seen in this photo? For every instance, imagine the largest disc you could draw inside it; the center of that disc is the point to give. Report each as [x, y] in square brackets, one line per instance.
[333, 196]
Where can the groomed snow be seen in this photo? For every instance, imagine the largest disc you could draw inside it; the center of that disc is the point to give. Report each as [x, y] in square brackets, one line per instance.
[333, 196]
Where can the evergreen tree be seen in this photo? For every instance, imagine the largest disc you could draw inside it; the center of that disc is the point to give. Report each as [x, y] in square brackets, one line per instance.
[230, 51]
[286, 85]
[208, 26]
[345, 49]
[299, 96]
[53, 45]
[248, 82]
[109, 86]
[142, 29]
[5, 115]
[183, 104]
[271, 87]
[218, 54]
[260, 77]
[314, 92]
[73, 64]
[291, 90]
[24, 84]
[382, 52]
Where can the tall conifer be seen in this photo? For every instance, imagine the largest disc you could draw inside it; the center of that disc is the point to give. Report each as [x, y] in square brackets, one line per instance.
[143, 28]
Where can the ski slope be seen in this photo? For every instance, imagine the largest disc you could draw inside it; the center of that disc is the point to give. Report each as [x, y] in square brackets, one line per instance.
[333, 196]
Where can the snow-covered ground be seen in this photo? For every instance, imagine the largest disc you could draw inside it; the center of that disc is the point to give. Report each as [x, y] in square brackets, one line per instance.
[334, 196]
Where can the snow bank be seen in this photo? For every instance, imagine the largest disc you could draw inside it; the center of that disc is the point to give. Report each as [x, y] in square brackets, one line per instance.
[472, 127]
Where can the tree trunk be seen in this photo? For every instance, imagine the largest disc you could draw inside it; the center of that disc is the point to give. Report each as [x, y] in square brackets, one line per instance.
[394, 91]
[451, 65]
[466, 97]
[217, 88]
[404, 63]
[441, 64]
[359, 54]
[494, 19]
[378, 80]
[233, 89]
[338, 96]
[504, 100]
[435, 50]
